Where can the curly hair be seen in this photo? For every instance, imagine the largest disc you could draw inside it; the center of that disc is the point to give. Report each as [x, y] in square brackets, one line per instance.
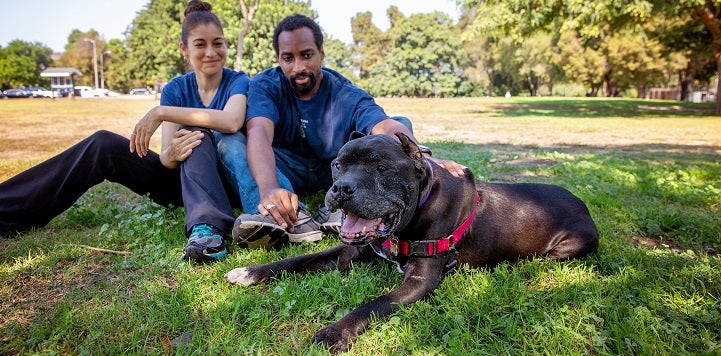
[294, 22]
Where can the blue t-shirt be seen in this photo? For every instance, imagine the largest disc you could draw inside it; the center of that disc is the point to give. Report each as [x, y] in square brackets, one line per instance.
[316, 127]
[182, 91]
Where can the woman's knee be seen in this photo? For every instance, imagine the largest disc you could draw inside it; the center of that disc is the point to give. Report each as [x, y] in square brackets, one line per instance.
[106, 141]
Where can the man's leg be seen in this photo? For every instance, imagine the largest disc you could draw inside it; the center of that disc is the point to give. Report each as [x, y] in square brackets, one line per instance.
[233, 157]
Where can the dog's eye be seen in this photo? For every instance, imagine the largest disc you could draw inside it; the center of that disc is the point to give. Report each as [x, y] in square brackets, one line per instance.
[382, 168]
[335, 165]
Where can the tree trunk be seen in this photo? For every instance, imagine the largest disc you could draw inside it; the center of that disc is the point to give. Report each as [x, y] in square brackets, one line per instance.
[713, 24]
[248, 14]
[718, 86]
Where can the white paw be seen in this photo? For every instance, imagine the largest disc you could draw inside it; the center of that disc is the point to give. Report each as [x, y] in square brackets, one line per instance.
[240, 276]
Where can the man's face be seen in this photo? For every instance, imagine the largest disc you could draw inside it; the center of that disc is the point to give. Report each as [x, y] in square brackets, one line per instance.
[301, 61]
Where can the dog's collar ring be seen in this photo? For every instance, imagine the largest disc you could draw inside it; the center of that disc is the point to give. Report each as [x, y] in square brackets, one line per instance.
[428, 248]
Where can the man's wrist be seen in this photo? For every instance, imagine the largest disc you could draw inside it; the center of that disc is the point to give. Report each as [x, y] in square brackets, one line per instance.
[426, 150]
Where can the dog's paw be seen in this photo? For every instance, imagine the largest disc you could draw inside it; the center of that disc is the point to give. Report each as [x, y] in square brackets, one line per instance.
[334, 338]
[241, 276]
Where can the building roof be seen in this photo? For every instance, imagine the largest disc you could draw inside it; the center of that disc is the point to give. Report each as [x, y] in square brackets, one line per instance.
[60, 72]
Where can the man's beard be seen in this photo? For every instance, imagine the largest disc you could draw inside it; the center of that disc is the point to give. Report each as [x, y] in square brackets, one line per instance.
[303, 88]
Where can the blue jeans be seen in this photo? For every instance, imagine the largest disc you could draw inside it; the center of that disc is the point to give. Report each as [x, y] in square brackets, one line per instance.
[298, 174]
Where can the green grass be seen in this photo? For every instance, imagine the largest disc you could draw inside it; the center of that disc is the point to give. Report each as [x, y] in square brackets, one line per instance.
[652, 288]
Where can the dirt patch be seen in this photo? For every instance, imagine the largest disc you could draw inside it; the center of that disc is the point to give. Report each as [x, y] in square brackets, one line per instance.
[664, 243]
[530, 162]
[675, 108]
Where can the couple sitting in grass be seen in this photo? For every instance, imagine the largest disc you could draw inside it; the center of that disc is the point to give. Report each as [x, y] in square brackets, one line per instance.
[221, 130]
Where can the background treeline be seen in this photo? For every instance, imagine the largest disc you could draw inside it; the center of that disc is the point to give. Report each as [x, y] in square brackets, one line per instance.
[594, 48]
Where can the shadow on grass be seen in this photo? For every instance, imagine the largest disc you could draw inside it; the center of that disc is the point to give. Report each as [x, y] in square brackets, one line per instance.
[625, 298]
[601, 108]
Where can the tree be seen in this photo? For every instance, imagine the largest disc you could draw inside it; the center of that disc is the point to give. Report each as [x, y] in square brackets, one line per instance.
[22, 62]
[152, 42]
[633, 62]
[248, 14]
[582, 64]
[370, 44]
[79, 55]
[338, 57]
[425, 59]
[594, 19]
[257, 43]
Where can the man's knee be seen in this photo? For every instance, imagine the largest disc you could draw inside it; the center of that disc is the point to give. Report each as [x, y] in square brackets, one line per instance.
[403, 120]
[231, 146]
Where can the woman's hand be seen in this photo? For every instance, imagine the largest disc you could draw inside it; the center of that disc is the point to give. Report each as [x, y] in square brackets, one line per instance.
[182, 145]
[144, 130]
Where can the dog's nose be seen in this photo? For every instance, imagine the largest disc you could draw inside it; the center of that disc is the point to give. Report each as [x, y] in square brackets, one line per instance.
[342, 190]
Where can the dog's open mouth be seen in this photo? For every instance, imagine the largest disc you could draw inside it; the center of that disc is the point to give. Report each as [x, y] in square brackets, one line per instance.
[359, 231]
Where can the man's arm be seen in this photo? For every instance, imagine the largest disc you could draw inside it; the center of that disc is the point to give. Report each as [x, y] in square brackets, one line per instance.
[274, 200]
[390, 127]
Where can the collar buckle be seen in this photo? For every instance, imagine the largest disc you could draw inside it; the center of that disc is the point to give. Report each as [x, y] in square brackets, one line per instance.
[424, 248]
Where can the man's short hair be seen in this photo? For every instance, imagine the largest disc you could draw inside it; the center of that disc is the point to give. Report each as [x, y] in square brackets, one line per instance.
[294, 22]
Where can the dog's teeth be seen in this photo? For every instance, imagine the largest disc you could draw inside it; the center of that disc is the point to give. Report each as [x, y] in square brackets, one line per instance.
[364, 230]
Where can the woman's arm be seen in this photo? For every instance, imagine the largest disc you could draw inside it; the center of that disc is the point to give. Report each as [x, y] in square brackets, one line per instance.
[228, 120]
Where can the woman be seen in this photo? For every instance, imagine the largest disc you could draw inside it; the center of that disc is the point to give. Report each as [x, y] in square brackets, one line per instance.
[211, 97]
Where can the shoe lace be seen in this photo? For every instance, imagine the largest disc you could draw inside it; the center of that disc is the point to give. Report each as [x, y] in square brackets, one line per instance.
[201, 230]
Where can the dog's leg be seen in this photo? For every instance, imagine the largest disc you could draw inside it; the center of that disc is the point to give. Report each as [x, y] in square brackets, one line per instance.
[422, 276]
[339, 257]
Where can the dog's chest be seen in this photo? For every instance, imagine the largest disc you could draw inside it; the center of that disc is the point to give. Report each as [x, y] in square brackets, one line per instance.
[386, 254]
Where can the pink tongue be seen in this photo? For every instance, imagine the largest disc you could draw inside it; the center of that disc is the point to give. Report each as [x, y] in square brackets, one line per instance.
[353, 224]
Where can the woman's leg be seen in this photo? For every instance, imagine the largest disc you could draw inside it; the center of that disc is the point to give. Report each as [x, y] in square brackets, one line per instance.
[37, 195]
[204, 196]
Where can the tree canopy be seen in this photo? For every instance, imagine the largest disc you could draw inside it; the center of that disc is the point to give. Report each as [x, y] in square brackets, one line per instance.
[605, 47]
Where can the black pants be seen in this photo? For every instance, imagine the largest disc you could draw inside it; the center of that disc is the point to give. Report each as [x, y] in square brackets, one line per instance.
[37, 195]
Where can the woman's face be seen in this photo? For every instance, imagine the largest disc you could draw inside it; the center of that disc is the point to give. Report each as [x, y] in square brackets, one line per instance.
[206, 50]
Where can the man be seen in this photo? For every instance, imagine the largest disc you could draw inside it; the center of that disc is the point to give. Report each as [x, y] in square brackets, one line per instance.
[299, 115]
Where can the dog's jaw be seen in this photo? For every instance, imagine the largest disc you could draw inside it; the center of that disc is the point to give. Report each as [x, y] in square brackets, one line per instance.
[359, 231]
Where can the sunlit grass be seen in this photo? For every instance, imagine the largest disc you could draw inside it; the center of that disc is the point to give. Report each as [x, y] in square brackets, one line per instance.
[653, 287]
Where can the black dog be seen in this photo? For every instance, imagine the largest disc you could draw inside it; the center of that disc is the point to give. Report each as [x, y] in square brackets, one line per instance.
[405, 208]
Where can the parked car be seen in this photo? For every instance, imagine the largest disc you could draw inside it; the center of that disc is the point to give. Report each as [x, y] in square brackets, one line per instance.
[84, 91]
[17, 93]
[140, 91]
[36, 92]
[60, 92]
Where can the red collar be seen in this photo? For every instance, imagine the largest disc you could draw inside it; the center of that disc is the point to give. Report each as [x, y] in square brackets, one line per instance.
[427, 248]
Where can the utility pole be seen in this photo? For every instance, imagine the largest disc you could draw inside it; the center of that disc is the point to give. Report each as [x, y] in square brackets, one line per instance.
[95, 60]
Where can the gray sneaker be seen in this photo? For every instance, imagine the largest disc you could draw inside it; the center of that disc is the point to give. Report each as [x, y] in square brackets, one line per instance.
[329, 222]
[258, 231]
[306, 230]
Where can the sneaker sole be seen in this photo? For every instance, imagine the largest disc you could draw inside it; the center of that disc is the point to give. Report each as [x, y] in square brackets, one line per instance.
[197, 255]
[259, 236]
[312, 236]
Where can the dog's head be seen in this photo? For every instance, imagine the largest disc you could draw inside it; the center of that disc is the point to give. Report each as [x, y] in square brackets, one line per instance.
[376, 184]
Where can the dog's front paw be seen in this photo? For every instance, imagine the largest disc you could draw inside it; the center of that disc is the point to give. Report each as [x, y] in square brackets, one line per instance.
[242, 276]
[334, 338]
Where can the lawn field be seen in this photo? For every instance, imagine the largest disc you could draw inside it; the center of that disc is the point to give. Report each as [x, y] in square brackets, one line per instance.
[649, 171]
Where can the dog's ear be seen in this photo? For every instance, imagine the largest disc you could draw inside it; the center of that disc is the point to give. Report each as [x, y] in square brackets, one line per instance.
[355, 134]
[411, 149]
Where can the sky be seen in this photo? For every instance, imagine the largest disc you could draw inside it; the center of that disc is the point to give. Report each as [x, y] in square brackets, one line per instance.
[50, 22]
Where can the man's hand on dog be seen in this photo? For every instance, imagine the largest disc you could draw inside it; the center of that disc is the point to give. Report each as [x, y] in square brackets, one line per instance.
[456, 169]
